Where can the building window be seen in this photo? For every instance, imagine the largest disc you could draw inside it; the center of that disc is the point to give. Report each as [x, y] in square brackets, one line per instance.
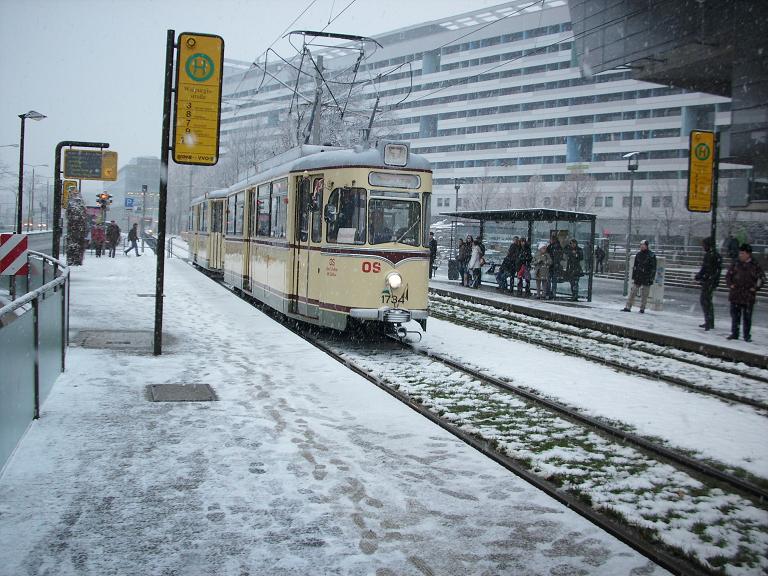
[667, 201]
[447, 202]
[655, 201]
[547, 201]
[599, 202]
[609, 201]
[439, 202]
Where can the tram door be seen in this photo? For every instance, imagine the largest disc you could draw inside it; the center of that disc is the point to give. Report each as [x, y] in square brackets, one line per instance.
[305, 211]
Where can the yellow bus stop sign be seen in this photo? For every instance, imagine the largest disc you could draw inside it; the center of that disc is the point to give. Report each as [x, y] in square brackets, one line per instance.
[701, 165]
[68, 187]
[197, 109]
[109, 165]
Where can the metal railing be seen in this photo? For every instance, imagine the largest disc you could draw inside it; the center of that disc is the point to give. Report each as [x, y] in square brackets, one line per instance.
[33, 343]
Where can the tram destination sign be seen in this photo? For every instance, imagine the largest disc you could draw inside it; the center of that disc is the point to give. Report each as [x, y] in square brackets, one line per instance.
[197, 103]
[90, 164]
[701, 170]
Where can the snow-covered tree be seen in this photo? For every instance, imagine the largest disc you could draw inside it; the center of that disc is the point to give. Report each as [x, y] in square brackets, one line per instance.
[77, 230]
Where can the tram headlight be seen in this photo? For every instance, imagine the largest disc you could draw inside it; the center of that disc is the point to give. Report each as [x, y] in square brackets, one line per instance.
[394, 280]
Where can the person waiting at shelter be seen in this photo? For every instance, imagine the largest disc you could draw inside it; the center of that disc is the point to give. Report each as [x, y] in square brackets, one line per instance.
[643, 275]
[475, 264]
[555, 251]
[744, 278]
[541, 264]
[523, 268]
[464, 258]
[573, 258]
[432, 253]
[506, 270]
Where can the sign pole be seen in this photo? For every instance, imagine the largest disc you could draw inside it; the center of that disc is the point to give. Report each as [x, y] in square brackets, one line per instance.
[164, 148]
[715, 181]
[57, 187]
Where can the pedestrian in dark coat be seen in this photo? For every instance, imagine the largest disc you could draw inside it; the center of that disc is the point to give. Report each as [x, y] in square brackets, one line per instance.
[524, 258]
[465, 252]
[574, 255]
[709, 277]
[113, 237]
[133, 238]
[432, 253]
[643, 275]
[599, 259]
[555, 251]
[744, 278]
[506, 270]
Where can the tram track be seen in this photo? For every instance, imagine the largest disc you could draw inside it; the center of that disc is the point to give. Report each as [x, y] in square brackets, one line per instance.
[604, 485]
[684, 369]
[684, 479]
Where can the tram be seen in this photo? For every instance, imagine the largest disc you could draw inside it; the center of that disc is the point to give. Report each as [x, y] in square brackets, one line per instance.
[325, 235]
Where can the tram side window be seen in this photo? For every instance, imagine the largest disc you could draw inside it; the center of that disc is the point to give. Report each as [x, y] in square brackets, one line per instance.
[217, 211]
[263, 205]
[239, 213]
[426, 217]
[345, 216]
[279, 208]
[317, 202]
[203, 217]
[251, 211]
[231, 215]
[190, 220]
[304, 206]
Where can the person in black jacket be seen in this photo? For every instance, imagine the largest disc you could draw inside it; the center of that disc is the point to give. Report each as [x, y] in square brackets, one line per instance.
[643, 274]
[555, 251]
[709, 277]
[744, 279]
[432, 253]
[133, 237]
[574, 255]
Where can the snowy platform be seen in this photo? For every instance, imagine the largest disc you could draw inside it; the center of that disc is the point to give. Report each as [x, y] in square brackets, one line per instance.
[298, 467]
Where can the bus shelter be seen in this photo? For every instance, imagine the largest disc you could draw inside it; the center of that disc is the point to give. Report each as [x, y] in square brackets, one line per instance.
[496, 228]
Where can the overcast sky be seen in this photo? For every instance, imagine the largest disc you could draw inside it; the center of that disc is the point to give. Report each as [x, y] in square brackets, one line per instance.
[95, 67]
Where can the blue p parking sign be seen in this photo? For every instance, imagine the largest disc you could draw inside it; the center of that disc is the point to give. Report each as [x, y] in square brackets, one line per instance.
[129, 202]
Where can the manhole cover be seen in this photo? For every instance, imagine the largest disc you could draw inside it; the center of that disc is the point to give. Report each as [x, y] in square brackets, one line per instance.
[129, 340]
[180, 393]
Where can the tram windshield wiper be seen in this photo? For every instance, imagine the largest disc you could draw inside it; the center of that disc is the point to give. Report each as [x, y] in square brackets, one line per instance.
[408, 231]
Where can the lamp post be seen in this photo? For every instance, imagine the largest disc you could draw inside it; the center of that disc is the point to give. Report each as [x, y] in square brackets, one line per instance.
[32, 115]
[632, 163]
[31, 209]
[456, 186]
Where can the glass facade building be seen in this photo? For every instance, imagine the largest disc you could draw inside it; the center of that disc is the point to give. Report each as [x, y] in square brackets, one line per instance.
[496, 102]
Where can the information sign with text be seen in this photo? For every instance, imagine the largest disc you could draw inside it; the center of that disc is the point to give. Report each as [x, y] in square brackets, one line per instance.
[90, 164]
[197, 107]
[68, 188]
[701, 170]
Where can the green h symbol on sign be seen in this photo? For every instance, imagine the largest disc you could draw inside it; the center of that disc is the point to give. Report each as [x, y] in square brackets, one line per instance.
[199, 67]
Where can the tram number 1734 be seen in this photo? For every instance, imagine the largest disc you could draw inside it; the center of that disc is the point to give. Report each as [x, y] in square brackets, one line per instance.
[394, 299]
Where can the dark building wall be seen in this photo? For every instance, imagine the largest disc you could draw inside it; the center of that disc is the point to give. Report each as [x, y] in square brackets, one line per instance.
[719, 47]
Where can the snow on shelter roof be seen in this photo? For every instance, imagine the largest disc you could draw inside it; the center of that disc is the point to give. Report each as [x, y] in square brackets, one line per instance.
[532, 214]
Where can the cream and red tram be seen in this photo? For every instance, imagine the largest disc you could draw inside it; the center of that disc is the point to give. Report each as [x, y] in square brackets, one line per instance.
[330, 235]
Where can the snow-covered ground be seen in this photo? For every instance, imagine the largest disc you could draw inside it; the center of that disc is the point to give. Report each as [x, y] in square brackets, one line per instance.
[300, 467]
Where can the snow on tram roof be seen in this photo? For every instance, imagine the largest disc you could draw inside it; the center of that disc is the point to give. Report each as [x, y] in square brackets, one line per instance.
[213, 194]
[309, 157]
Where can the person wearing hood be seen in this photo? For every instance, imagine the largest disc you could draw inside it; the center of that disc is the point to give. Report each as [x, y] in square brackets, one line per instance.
[709, 277]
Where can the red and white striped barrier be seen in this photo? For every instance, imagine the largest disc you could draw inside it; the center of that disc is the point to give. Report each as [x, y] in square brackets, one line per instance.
[13, 255]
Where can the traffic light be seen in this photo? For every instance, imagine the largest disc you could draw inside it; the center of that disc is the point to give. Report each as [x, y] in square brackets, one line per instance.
[103, 199]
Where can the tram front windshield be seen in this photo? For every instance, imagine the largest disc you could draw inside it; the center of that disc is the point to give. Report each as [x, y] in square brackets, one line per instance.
[393, 221]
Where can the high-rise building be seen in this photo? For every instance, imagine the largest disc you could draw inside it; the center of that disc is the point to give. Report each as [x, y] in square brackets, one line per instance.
[495, 101]
[135, 193]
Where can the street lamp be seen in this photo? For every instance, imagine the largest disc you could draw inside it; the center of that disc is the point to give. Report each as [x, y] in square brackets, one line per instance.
[456, 185]
[32, 115]
[632, 163]
[31, 209]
